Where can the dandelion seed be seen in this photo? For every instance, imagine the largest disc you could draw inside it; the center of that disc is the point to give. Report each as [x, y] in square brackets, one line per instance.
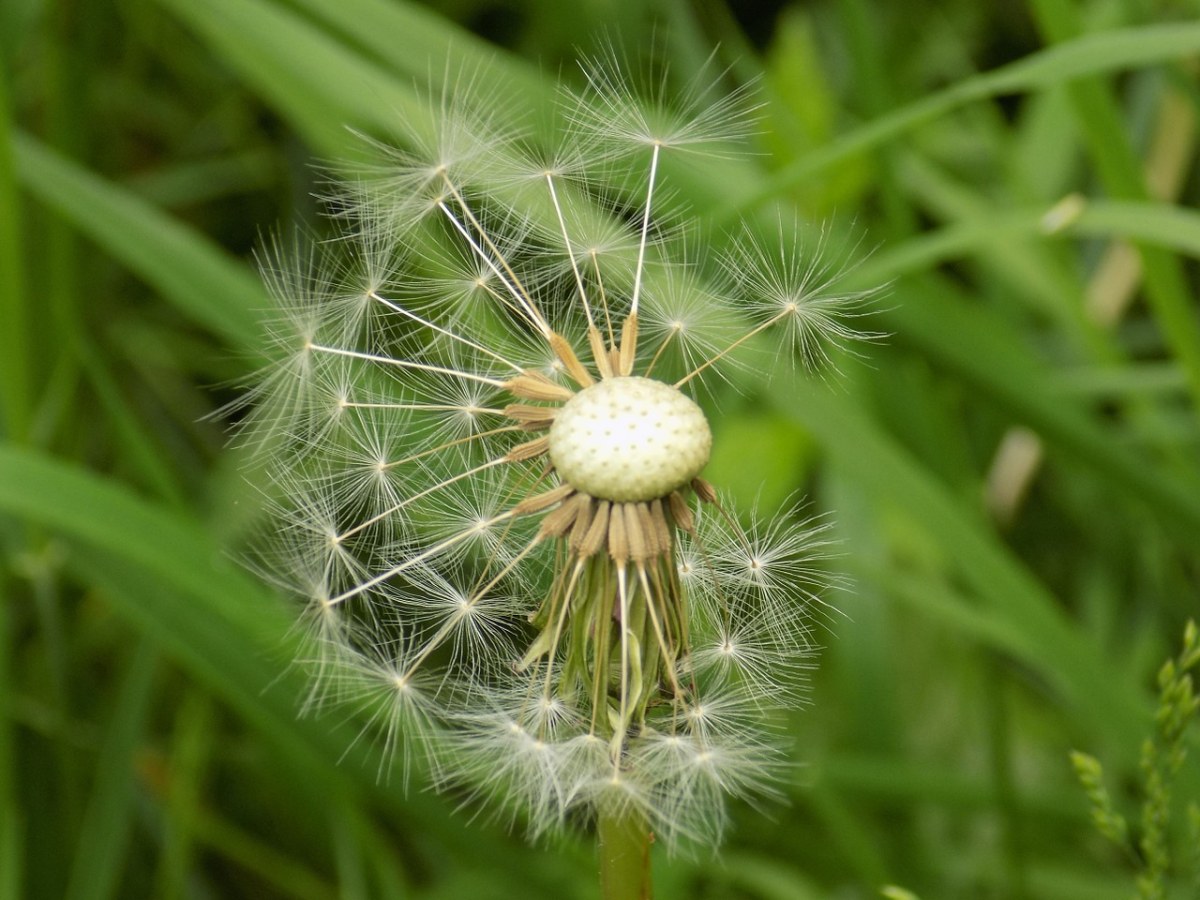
[488, 469]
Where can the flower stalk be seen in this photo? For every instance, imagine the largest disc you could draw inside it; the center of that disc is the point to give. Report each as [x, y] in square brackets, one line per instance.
[624, 841]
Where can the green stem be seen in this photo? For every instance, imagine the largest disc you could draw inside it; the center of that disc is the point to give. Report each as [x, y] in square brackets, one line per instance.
[624, 842]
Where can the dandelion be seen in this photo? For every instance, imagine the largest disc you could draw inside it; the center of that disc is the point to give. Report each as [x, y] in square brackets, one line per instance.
[488, 460]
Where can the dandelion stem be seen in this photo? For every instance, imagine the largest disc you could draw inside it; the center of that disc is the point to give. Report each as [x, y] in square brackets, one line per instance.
[624, 843]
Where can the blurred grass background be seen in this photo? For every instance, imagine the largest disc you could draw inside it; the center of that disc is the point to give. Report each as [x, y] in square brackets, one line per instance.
[1014, 471]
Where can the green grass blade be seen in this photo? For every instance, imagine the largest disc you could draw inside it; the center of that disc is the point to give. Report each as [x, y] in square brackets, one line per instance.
[108, 820]
[169, 580]
[1171, 227]
[349, 853]
[1032, 271]
[1106, 52]
[164, 545]
[423, 46]
[764, 877]
[200, 280]
[12, 820]
[194, 730]
[321, 85]
[1162, 224]
[10, 850]
[286, 876]
[15, 372]
[977, 228]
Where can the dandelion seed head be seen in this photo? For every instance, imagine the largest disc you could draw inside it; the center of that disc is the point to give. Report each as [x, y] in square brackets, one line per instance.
[487, 486]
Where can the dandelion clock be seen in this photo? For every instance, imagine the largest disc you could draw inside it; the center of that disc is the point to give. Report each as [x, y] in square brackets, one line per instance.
[487, 470]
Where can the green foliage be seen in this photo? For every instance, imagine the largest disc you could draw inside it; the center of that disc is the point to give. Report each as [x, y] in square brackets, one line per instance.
[1024, 178]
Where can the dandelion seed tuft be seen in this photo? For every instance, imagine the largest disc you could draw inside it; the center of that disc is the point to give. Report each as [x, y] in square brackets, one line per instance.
[487, 463]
